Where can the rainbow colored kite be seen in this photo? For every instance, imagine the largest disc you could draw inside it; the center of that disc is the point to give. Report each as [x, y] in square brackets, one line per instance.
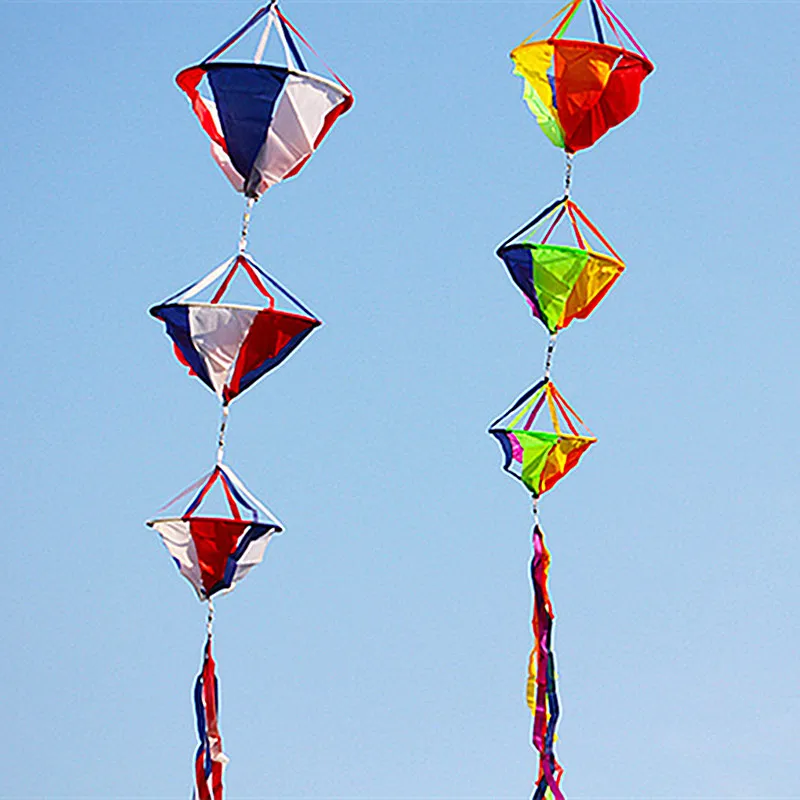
[578, 90]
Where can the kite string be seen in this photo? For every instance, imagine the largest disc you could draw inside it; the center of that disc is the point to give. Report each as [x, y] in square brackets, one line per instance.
[222, 426]
[568, 173]
[551, 346]
[246, 223]
[210, 618]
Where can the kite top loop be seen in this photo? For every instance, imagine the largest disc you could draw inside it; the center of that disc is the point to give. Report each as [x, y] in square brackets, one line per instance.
[551, 346]
[222, 426]
[248, 208]
[210, 619]
[568, 174]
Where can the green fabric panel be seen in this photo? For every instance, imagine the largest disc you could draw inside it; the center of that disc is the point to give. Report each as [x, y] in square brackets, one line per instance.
[550, 127]
[555, 270]
[536, 445]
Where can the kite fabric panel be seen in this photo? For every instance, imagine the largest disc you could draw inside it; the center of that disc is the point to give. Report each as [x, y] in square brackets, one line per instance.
[214, 553]
[264, 120]
[538, 458]
[230, 346]
[210, 761]
[561, 283]
[579, 90]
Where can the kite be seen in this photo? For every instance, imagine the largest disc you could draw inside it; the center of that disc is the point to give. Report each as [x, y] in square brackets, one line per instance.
[540, 458]
[229, 346]
[578, 91]
[264, 122]
[561, 283]
[214, 552]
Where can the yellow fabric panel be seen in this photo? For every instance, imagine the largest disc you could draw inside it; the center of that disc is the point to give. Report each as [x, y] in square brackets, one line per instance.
[594, 281]
[562, 457]
[530, 690]
[532, 62]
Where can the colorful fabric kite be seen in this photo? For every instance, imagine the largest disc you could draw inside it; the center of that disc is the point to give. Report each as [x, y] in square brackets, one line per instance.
[230, 346]
[541, 458]
[579, 90]
[561, 283]
[264, 121]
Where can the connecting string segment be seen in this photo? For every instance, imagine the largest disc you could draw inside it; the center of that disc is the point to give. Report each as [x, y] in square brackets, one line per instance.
[210, 618]
[222, 426]
[568, 173]
[548, 363]
[248, 208]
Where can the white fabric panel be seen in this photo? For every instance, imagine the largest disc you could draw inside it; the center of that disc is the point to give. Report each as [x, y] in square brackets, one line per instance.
[218, 154]
[252, 556]
[296, 122]
[178, 540]
[217, 333]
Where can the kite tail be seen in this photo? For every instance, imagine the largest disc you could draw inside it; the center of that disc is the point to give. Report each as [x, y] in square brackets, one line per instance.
[542, 693]
[210, 760]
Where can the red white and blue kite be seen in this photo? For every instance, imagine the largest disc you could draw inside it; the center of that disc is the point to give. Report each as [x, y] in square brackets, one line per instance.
[264, 121]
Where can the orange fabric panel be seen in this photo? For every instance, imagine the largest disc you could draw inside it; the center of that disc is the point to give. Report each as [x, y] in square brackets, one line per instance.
[562, 458]
[593, 283]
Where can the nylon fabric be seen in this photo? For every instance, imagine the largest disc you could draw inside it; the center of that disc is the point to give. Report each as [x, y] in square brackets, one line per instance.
[210, 760]
[535, 448]
[272, 338]
[596, 279]
[178, 540]
[555, 271]
[245, 96]
[597, 88]
[213, 554]
[533, 63]
[299, 119]
[561, 459]
[218, 333]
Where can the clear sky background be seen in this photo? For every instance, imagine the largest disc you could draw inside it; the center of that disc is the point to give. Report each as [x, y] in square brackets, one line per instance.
[380, 651]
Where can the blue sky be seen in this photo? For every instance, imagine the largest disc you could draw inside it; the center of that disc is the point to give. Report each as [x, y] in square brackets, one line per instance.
[380, 650]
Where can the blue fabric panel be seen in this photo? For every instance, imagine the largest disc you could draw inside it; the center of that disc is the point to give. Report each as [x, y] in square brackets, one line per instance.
[200, 716]
[552, 80]
[251, 377]
[176, 318]
[502, 438]
[245, 95]
[519, 262]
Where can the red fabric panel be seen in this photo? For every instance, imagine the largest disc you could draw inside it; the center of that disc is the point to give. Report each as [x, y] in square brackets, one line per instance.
[269, 334]
[588, 104]
[215, 540]
[188, 80]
